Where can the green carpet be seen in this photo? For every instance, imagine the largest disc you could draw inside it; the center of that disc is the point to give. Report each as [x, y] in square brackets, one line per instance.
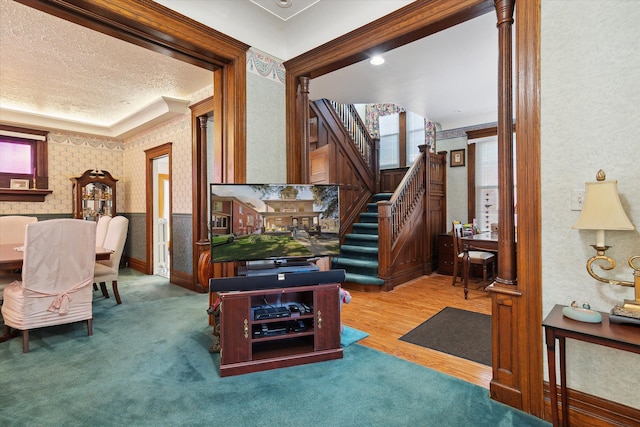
[350, 335]
[148, 364]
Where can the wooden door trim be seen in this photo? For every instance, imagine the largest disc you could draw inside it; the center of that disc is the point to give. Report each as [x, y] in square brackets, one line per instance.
[151, 154]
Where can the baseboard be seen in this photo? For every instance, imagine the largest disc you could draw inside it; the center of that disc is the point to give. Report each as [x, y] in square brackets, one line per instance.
[135, 264]
[185, 280]
[588, 410]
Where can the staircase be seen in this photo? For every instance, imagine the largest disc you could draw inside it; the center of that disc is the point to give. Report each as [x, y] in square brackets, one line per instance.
[359, 253]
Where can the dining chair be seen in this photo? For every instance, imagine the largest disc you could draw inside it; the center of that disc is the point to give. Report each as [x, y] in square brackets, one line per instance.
[107, 270]
[475, 257]
[101, 230]
[57, 272]
[12, 228]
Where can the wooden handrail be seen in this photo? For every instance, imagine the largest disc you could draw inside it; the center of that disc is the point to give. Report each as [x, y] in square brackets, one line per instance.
[408, 193]
[393, 214]
[358, 131]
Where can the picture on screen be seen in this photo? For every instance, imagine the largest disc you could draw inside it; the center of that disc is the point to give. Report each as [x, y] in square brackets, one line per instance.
[273, 221]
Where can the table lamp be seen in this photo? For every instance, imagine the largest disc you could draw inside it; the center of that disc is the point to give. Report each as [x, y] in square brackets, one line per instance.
[602, 211]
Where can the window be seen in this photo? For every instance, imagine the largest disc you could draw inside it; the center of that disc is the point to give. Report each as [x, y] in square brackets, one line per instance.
[486, 182]
[487, 199]
[16, 156]
[415, 136]
[23, 155]
[389, 141]
[219, 221]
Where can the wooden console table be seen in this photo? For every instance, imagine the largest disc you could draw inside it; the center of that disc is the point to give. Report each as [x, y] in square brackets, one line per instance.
[556, 326]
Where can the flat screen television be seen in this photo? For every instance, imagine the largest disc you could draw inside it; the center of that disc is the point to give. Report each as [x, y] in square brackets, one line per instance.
[274, 222]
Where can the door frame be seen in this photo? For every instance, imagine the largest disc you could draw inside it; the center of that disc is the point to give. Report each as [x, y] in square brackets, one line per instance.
[151, 154]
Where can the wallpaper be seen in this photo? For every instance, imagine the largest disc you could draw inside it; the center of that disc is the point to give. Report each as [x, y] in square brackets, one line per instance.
[177, 132]
[266, 120]
[590, 104]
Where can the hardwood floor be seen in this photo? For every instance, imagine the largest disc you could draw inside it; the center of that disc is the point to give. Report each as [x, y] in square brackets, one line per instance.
[386, 316]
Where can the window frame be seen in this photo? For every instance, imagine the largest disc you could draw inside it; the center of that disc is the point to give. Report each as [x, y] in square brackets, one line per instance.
[39, 144]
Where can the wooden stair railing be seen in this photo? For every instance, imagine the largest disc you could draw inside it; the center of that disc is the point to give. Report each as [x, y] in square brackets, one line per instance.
[347, 166]
[397, 216]
[358, 131]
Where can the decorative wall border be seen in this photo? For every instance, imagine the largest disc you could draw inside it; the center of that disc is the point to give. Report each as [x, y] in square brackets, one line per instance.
[85, 141]
[266, 66]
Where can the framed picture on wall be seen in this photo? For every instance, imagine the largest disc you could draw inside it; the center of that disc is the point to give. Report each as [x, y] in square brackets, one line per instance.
[19, 184]
[457, 158]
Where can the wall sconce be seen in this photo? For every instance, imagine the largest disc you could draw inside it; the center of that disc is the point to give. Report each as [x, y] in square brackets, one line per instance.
[602, 211]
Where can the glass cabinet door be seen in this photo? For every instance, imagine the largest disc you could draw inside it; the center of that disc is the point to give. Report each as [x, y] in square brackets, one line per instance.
[94, 195]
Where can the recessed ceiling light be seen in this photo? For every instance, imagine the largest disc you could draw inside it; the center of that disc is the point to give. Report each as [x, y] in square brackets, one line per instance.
[284, 3]
[376, 60]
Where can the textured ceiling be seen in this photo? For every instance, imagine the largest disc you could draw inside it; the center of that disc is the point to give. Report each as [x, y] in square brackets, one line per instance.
[53, 67]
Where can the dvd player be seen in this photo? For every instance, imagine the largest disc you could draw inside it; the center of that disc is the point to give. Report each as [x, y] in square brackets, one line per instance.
[262, 313]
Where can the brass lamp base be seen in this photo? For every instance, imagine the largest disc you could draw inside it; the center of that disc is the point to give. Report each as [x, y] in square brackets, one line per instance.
[632, 305]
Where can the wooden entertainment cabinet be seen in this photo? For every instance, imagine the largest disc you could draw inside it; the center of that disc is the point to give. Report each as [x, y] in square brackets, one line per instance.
[246, 348]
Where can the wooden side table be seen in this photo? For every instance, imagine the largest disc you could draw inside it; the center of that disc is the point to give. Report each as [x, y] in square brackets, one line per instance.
[556, 326]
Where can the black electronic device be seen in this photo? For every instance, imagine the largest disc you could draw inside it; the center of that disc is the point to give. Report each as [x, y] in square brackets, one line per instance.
[262, 313]
[270, 329]
[271, 281]
[297, 326]
[294, 308]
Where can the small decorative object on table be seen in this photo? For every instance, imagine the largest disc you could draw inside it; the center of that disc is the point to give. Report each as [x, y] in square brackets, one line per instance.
[582, 314]
[620, 314]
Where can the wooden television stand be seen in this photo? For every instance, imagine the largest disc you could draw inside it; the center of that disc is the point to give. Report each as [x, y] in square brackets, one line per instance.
[251, 342]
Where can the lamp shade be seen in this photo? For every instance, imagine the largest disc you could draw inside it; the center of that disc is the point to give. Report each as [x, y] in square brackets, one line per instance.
[602, 209]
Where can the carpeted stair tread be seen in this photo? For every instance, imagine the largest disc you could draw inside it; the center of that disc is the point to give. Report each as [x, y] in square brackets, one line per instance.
[372, 208]
[362, 279]
[370, 250]
[382, 196]
[363, 240]
[363, 237]
[366, 228]
[369, 217]
[343, 261]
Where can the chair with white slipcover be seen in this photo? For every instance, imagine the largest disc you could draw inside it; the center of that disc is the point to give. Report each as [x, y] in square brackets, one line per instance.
[107, 270]
[57, 273]
[12, 229]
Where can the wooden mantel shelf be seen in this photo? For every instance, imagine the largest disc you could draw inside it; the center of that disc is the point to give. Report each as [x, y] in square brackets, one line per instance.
[31, 195]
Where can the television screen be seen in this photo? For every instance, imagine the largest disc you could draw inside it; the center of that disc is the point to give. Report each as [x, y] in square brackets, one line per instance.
[250, 222]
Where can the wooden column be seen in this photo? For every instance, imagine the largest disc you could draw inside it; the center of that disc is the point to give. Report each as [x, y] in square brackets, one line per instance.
[303, 108]
[202, 180]
[202, 244]
[507, 382]
[506, 229]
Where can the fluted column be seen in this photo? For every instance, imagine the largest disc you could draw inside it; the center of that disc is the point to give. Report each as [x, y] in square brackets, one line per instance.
[507, 274]
[303, 108]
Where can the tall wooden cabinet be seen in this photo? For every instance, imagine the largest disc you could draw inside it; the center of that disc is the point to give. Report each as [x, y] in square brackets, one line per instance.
[94, 195]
